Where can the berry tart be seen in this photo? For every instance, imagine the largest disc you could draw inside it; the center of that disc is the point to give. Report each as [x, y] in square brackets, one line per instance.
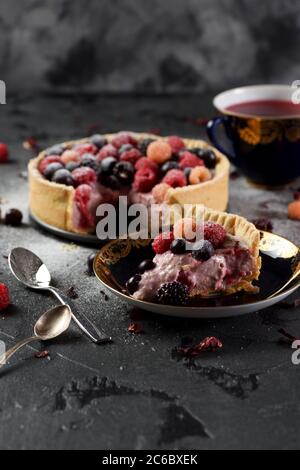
[69, 181]
[224, 260]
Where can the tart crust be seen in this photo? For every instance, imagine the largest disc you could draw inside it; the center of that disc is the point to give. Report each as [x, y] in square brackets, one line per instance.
[246, 233]
[53, 203]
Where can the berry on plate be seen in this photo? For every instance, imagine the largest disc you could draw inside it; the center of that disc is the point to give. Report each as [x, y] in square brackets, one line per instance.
[51, 169]
[82, 197]
[86, 148]
[13, 217]
[133, 284]
[124, 171]
[203, 250]
[185, 228]
[159, 152]
[176, 143]
[84, 175]
[173, 293]
[178, 246]
[131, 156]
[4, 153]
[98, 140]
[144, 180]
[63, 177]
[162, 242]
[107, 151]
[170, 165]
[175, 178]
[4, 297]
[159, 192]
[214, 233]
[199, 174]
[70, 156]
[189, 160]
[209, 157]
[146, 265]
[46, 161]
[144, 144]
[123, 138]
[144, 162]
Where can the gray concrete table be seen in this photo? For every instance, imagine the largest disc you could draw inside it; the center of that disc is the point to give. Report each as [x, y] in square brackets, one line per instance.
[133, 394]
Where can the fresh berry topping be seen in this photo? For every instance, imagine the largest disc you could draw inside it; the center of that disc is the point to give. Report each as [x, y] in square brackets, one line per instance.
[90, 263]
[187, 173]
[107, 151]
[144, 180]
[146, 265]
[4, 153]
[159, 152]
[84, 175]
[263, 224]
[203, 250]
[198, 151]
[199, 174]
[86, 148]
[124, 171]
[133, 284]
[55, 150]
[171, 165]
[70, 156]
[144, 162]
[112, 182]
[71, 166]
[123, 138]
[173, 293]
[125, 148]
[144, 144]
[98, 140]
[176, 143]
[178, 247]
[189, 160]
[175, 178]
[131, 156]
[90, 161]
[13, 217]
[108, 164]
[82, 198]
[63, 177]
[159, 192]
[51, 169]
[185, 228]
[4, 297]
[294, 210]
[210, 159]
[162, 242]
[46, 161]
[214, 233]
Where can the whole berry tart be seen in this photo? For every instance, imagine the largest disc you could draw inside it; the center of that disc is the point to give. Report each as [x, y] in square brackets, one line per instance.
[224, 260]
[69, 181]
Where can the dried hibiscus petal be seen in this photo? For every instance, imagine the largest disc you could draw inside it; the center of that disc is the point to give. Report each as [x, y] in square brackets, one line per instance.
[42, 354]
[286, 338]
[135, 328]
[208, 344]
[31, 144]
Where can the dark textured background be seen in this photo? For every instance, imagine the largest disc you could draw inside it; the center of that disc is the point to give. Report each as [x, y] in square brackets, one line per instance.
[147, 46]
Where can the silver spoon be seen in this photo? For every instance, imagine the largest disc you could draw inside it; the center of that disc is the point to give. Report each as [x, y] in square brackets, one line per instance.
[29, 269]
[50, 325]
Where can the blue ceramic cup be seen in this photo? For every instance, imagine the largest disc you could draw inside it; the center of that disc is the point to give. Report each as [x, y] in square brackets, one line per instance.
[262, 125]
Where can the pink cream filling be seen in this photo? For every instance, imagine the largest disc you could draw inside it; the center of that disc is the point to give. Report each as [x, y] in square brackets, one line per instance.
[227, 266]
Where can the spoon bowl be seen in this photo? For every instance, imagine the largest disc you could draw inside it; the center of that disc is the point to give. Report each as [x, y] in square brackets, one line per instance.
[53, 323]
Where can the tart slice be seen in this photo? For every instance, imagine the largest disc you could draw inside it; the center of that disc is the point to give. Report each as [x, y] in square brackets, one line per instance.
[224, 261]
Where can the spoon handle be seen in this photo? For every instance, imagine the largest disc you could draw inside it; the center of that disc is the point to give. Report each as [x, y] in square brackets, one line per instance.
[7, 355]
[97, 337]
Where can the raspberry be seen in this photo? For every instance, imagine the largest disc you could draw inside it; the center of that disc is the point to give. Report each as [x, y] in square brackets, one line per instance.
[47, 160]
[185, 228]
[159, 192]
[189, 160]
[199, 174]
[173, 293]
[175, 178]
[4, 297]
[214, 233]
[176, 143]
[162, 242]
[4, 153]
[82, 198]
[70, 156]
[84, 175]
[86, 148]
[159, 152]
[131, 156]
[123, 138]
[144, 180]
[144, 162]
[107, 151]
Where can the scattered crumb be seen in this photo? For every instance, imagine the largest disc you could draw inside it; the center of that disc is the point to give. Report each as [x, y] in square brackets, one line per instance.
[135, 328]
[72, 294]
[42, 355]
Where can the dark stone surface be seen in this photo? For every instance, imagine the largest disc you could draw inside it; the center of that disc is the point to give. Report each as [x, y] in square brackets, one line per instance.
[133, 394]
[154, 46]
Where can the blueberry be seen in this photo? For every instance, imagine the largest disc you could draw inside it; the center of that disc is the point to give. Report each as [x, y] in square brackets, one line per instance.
[90, 263]
[171, 165]
[133, 284]
[198, 151]
[112, 182]
[125, 148]
[124, 171]
[71, 166]
[203, 250]
[146, 265]
[98, 140]
[13, 217]
[51, 169]
[63, 177]
[178, 246]
[90, 161]
[175, 157]
[210, 159]
[55, 150]
[107, 165]
[187, 172]
[144, 144]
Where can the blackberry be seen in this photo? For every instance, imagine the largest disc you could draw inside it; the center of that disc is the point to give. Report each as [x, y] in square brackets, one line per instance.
[144, 144]
[173, 293]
